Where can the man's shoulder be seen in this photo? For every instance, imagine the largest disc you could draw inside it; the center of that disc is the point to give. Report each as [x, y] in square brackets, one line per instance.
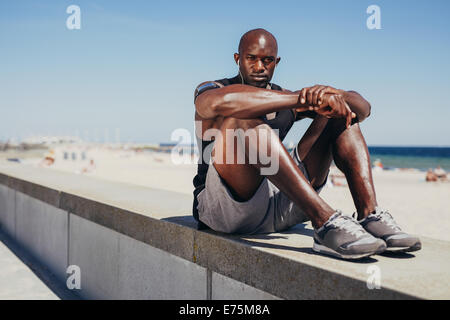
[234, 80]
[228, 81]
[213, 84]
[205, 86]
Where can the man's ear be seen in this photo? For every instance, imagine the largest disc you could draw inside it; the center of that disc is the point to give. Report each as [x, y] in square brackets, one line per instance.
[236, 58]
[278, 60]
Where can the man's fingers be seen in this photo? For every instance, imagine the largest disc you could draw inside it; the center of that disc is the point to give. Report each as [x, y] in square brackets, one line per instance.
[320, 95]
[349, 120]
[336, 107]
[309, 96]
[315, 95]
[303, 95]
[350, 114]
[345, 112]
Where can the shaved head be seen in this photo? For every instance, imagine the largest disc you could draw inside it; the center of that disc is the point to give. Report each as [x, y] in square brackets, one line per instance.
[257, 57]
[261, 37]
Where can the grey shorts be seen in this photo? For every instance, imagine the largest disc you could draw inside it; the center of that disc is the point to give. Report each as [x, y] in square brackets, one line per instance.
[269, 210]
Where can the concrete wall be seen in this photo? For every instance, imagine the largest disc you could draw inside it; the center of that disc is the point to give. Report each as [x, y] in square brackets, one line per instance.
[42, 229]
[8, 210]
[130, 269]
[138, 243]
[112, 265]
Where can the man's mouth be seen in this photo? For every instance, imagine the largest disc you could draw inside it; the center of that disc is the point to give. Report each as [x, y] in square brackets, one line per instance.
[258, 77]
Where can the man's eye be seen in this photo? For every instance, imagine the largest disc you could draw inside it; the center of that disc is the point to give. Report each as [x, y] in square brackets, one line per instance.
[251, 58]
[268, 60]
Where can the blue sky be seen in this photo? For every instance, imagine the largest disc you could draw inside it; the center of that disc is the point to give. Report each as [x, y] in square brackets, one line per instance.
[133, 65]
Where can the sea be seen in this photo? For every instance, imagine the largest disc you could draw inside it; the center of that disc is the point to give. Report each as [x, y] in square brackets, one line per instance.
[421, 158]
[393, 157]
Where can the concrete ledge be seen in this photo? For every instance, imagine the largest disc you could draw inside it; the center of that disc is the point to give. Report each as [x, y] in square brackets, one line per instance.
[157, 229]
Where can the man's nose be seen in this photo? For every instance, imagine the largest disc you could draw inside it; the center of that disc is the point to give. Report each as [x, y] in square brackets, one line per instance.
[259, 66]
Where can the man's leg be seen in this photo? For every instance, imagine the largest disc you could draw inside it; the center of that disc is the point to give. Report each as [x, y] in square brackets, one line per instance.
[244, 179]
[335, 234]
[328, 139]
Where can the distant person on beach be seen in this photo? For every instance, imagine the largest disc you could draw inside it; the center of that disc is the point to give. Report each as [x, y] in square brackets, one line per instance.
[377, 165]
[238, 192]
[336, 178]
[336, 181]
[431, 176]
[90, 167]
[48, 160]
[440, 173]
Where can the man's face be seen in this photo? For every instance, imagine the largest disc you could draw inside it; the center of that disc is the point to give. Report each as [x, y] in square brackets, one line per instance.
[257, 60]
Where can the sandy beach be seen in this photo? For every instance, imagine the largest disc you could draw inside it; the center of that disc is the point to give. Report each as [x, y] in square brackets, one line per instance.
[419, 207]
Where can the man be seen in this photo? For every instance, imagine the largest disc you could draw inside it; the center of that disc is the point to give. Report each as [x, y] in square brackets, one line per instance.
[431, 176]
[440, 173]
[236, 197]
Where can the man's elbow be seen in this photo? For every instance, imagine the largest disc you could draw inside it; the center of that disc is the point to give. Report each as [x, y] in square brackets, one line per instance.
[365, 108]
[220, 105]
[211, 106]
[206, 109]
[363, 113]
[368, 110]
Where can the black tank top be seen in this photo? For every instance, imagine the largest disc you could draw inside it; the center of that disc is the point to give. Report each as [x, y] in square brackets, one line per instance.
[283, 121]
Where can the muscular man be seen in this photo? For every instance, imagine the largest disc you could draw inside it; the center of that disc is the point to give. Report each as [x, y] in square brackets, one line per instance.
[248, 113]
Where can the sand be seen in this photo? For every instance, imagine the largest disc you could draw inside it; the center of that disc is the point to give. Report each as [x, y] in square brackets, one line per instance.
[419, 207]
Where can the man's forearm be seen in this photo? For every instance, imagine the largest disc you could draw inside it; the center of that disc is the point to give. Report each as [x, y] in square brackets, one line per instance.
[246, 102]
[360, 106]
[255, 103]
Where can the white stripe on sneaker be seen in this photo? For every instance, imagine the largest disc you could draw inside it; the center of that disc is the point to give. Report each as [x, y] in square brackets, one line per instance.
[325, 250]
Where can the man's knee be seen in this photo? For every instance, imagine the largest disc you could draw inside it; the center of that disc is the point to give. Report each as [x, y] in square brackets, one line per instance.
[338, 126]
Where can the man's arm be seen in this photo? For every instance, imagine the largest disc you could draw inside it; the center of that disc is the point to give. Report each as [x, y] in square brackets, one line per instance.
[244, 102]
[360, 106]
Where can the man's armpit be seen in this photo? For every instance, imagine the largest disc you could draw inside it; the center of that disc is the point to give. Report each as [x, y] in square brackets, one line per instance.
[205, 86]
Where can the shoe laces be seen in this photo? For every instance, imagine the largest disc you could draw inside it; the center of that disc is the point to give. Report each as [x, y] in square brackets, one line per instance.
[348, 224]
[387, 218]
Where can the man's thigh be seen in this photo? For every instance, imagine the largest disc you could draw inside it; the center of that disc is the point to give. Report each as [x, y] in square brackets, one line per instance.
[230, 160]
[268, 210]
[219, 209]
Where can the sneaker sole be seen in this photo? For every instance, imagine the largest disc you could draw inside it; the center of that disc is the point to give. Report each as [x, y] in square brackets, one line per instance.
[325, 250]
[415, 247]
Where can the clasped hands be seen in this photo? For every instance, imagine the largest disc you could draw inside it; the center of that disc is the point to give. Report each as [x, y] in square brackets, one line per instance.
[326, 101]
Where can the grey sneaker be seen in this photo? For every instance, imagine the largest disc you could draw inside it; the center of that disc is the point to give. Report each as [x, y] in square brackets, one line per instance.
[343, 237]
[382, 225]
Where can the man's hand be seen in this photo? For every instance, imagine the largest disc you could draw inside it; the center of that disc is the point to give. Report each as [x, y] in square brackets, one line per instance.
[326, 101]
[313, 95]
[334, 106]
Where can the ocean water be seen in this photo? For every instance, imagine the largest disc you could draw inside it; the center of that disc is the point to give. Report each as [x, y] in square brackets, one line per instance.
[421, 158]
